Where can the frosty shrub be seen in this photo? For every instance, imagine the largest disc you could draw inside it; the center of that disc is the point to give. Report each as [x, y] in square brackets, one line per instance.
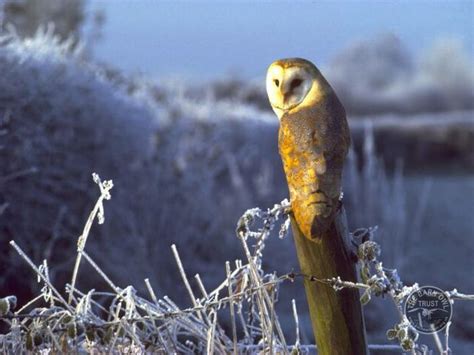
[28, 15]
[59, 119]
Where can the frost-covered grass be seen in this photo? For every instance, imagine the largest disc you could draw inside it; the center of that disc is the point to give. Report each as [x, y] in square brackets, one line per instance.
[121, 321]
[186, 163]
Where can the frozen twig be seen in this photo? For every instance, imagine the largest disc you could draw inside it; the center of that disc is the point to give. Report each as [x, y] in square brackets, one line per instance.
[40, 274]
[151, 292]
[98, 211]
[297, 324]
[455, 295]
[100, 272]
[447, 350]
[183, 275]
[232, 311]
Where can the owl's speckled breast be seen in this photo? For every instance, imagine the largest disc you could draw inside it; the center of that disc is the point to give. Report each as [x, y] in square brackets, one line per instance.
[304, 163]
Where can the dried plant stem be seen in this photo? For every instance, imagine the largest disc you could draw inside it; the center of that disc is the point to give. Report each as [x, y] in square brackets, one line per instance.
[40, 274]
[255, 278]
[183, 275]
[232, 311]
[151, 292]
[437, 341]
[50, 332]
[272, 319]
[105, 188]
[28, 304]
[99, 271]
[446, 339]
[211, 333]
[297, 324]
[455, 295]
[264, 299]
[201, 285]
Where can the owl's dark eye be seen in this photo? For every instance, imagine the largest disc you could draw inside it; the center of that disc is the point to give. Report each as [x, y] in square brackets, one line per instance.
[295, 83]
[277, 82]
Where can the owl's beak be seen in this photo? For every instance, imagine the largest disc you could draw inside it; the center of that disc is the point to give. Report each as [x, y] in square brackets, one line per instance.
[285, 92]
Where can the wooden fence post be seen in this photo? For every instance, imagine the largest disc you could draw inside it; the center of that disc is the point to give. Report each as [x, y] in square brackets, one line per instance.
[336, 316]
[313, 141]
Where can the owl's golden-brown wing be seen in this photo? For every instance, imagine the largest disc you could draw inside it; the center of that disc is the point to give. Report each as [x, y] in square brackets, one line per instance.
[313, 145]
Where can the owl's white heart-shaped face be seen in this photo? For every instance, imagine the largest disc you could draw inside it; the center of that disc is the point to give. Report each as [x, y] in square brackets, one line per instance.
[288, 84]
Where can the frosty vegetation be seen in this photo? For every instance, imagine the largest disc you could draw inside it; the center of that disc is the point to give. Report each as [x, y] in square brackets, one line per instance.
[119, 320]
[186, 161]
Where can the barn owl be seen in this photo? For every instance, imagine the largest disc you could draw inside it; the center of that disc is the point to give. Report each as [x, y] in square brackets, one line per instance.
[313, 141]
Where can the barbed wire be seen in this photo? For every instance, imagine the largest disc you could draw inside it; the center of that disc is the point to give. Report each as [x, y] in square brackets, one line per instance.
[336, 283]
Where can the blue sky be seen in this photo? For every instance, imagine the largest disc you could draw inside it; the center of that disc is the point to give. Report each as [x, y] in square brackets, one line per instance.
[209, 39]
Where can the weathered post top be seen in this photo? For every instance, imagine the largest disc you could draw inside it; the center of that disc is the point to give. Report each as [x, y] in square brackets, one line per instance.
[313, 142]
